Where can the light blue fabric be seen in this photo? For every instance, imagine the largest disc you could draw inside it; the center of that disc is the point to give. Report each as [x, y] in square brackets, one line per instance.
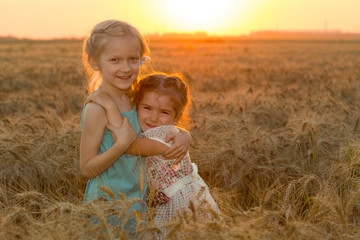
[123, 175]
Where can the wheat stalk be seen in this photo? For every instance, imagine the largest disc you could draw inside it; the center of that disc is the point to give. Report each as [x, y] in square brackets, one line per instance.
[108, 191]
[151, 194]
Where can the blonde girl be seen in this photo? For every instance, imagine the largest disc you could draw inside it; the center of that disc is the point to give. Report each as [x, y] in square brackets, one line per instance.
[113, 55]
[161, 102]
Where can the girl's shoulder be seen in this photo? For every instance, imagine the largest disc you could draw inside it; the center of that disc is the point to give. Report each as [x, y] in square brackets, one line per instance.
[93, 114]
[94, 110]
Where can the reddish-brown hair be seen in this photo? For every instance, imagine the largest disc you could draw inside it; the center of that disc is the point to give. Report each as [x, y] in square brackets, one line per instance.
[171, 85]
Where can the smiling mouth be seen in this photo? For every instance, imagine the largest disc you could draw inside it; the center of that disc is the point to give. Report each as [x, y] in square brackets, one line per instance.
[124, 77]
[149, 125]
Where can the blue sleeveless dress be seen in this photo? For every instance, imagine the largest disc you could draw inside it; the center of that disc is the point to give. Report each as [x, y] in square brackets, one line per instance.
[124, 175]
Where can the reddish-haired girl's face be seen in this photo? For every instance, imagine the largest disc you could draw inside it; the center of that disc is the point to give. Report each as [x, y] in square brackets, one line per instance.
[156, 110]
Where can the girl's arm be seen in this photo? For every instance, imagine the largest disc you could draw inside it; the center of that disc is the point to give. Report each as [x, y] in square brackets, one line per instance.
[92, 163]
[147, 147]
[142, 146]
[108, 104]
[180, 147]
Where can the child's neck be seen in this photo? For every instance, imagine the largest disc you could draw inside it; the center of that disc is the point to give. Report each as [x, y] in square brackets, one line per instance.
[120, 97]
[123, 102]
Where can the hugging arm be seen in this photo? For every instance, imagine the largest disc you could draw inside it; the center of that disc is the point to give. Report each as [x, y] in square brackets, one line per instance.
[91, 162]
[108, 104]
[142, 146]
[180, 147]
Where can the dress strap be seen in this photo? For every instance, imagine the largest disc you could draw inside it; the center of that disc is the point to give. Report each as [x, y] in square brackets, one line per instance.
[171, 190]
[194, 176]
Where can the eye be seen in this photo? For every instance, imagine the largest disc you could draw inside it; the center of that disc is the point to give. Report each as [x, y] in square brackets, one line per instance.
[134, 59]
[146, 107]
[165, 112]
[114, 60]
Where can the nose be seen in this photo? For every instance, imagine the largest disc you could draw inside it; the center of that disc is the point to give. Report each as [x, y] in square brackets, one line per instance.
[154, 117]
[125, 67]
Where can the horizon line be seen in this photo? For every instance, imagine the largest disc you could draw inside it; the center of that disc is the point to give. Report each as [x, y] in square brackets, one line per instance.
[204, 34]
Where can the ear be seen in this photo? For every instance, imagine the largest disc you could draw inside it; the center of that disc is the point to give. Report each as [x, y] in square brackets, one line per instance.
[93, 63]
[144, 59]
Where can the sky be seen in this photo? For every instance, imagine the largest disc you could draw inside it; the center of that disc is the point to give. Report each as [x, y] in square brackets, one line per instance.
[46, 19]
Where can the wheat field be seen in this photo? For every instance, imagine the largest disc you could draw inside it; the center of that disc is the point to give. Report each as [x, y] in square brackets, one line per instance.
[275, 134]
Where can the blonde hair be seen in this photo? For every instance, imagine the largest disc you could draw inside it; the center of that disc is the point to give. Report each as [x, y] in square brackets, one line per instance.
[95, 43]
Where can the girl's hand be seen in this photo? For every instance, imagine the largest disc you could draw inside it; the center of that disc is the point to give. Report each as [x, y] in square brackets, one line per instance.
[180, 147]
[103, 99]
[124, 134]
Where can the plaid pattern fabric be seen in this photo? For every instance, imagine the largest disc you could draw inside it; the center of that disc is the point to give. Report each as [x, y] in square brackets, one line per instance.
[161, 174]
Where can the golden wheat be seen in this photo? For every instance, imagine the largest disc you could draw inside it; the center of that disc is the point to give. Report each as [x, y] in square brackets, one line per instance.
[274, 133]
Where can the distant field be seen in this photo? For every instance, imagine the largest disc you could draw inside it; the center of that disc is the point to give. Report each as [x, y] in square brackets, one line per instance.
[275, 133]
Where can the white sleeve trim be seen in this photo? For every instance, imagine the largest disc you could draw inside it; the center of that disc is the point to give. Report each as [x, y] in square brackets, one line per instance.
[160, 140]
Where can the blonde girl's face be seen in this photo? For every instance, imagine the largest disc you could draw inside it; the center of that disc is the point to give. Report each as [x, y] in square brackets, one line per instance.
[118, 63]
[156, 110]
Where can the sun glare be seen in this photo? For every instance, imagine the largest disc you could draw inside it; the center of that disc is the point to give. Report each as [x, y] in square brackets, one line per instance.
[199, 15]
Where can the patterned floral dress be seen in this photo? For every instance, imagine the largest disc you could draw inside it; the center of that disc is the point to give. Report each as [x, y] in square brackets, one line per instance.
[174, 188]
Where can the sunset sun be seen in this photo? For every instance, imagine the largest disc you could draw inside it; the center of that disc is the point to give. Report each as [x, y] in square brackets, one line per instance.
[199, 15]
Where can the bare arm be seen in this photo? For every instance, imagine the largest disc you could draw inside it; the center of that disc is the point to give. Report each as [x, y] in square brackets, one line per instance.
[114, 116]
[103, 99]
[146, 147]
[91, 163]
[180, 147]
[141, 146]
[181, 140]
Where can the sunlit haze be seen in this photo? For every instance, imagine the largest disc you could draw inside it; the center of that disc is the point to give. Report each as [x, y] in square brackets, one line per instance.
[44, 19]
